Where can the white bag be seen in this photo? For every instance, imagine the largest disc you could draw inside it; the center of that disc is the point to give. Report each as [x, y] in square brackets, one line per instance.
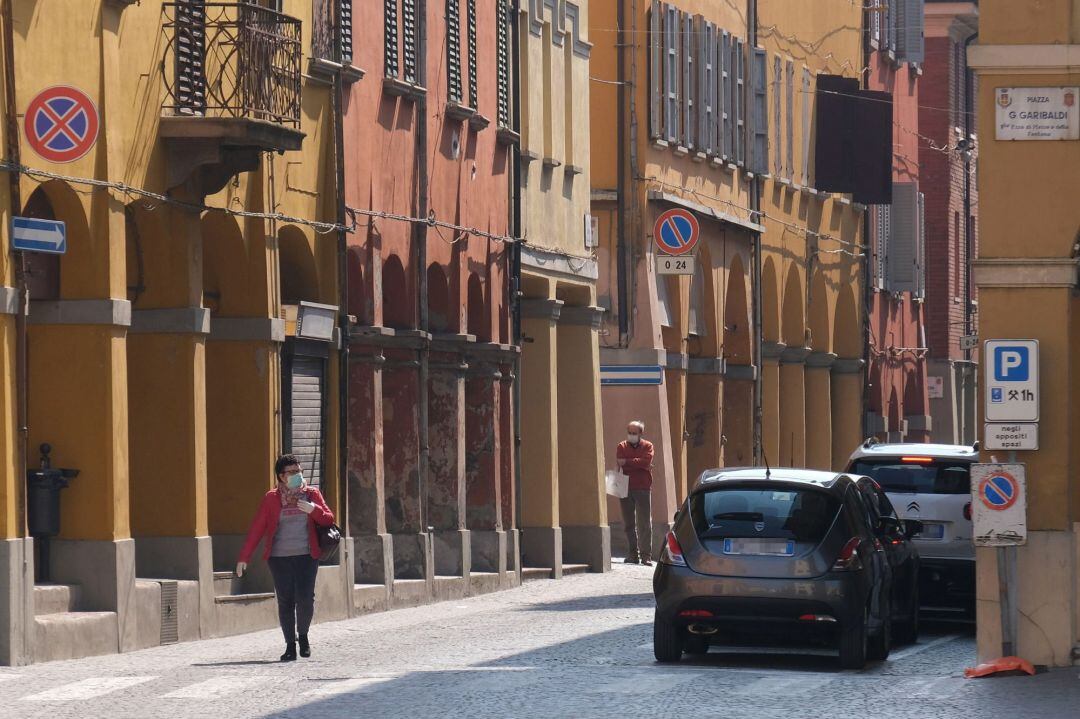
[618, 484]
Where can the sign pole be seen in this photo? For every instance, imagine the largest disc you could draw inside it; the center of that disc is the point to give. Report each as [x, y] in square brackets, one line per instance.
[1006, 568]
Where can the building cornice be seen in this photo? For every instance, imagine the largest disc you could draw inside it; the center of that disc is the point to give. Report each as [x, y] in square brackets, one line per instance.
[549, 262]
[705, 210]
[1024, 59]
[116, 313]
[1026, 272]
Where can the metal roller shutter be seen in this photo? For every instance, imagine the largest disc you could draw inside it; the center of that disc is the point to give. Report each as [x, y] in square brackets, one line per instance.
[306, 439]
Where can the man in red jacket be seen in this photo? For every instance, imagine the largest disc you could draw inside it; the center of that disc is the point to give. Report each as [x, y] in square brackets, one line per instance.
[635, 457]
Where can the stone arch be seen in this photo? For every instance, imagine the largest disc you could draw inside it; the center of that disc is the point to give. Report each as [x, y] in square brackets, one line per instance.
[818, 314]
[478, 314]
[80, 273]
[299, 275]
[793, 328]
[770, 302]
[358, 301]
[226, 275]
[847, 335]
[706, 343]
[440, 309]
[737, 342]
[397, 301]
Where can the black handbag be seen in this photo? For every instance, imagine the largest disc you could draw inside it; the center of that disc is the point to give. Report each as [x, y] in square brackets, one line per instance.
[329, 542]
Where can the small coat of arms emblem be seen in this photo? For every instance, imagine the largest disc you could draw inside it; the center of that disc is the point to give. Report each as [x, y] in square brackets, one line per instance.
[1004, 99]
[759, 526]
[1070, 98]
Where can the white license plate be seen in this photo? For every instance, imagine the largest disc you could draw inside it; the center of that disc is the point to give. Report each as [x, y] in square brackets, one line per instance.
[767, 547]
[932, 531]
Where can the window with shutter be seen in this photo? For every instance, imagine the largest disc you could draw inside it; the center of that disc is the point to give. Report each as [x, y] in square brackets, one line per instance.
[409, 40]
[789, 109]
[704, 56]
[656, 76]
[759, 117]
[322, 29]
[807, 100]
[902, 258]
[874, 10]
[190, 69]
[688, 95]
[920, 248]
[893, 21]
[910, 18]
[346, 38]
[502, 39]
[738, 63]
[453, 50]
[882, 228]
[471, 45]
[778, 154]
[724, 111]
[390, 37]
[671, 74]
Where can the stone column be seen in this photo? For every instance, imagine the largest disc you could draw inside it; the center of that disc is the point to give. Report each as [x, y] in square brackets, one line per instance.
[847, 402]
[793, 406]
[770, 400]
[508, 461]
[483, 493]
[582, 493]
[446, 470]
[738, 417]
[676, 381]
[704, 400]
[541, 534]
[372, 545]
[819, 450]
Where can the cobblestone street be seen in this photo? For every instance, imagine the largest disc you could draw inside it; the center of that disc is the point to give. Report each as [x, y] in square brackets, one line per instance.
[578, 647]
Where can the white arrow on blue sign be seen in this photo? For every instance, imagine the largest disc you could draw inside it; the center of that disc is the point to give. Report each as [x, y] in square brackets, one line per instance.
[33, 235]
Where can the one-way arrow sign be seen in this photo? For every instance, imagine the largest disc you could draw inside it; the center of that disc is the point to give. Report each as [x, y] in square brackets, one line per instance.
[34, 235]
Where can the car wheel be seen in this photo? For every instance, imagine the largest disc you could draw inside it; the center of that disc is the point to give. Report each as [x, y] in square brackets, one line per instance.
[667, 641]
[853, 639]
[696, 644]
[881, 643]
[907, 631]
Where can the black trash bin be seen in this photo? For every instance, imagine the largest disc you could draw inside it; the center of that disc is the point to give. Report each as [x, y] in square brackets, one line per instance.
[43, 506]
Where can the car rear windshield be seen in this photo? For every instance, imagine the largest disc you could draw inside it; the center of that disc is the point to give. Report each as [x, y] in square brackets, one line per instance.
[801, 515]
[917, 476]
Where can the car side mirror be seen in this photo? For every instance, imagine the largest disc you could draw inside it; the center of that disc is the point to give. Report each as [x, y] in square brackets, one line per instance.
[912, 527]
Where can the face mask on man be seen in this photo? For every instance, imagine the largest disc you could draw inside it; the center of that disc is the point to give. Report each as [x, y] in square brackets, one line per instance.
[633, 438]
[295, 481]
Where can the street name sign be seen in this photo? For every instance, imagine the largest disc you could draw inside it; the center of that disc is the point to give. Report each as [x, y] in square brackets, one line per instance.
[1012, 380]
[631, 374]
[969, 342]
[668, 265]
[30, 234]
[1011, 436]
[1037, 113]
[999, 505]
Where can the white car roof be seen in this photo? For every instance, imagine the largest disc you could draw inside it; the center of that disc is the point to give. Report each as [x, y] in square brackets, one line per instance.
[937, 451]
[781, 473]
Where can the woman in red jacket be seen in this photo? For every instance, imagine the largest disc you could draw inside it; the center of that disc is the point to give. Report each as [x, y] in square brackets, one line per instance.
[286, 520]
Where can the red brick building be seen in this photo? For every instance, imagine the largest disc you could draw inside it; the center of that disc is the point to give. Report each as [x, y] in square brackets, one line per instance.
[897, 405]
[947, 158]
[428, 175]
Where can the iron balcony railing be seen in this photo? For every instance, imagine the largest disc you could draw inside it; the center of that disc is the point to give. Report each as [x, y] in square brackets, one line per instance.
[231, 59]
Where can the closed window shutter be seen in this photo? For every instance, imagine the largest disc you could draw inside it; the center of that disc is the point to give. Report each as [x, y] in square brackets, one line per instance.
[920, 249]
[474, 100]
[687, 48]
[789, 108]
[894, 23]
[704, 35]
[759, 153]
[807, 99]
[910, 18]
[778, 126]
[656, 77]
[904, 240]
[453, 49]
[390, 38]
[502, 35]
[724, 111]
[190, 70]
[346, 38]
[671, 74]
[874, 8]
[883, 228]
[409, 39]
[306, 411]
[738, 63]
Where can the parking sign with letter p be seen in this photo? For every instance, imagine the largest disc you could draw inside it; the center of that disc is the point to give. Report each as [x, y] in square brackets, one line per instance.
[1012, 381]
[1011, 364]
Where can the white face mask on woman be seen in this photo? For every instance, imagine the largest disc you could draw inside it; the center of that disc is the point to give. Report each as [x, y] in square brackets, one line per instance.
[633, 438]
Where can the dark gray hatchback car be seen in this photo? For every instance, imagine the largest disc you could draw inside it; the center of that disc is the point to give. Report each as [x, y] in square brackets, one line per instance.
[787, 554]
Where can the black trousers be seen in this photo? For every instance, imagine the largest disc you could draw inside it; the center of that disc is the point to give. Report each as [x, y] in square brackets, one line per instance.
[294, 584]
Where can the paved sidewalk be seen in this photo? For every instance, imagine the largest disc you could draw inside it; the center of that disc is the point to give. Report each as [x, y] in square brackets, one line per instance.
[580, 647]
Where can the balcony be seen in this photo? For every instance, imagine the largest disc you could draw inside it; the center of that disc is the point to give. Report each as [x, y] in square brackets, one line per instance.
[232, 77]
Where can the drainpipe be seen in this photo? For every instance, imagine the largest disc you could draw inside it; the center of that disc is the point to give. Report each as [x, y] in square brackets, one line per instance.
[755, 280]
[338, 113]
[420, 242]
[514, 284]
[868, 293]
[623, 268]
[969, 240]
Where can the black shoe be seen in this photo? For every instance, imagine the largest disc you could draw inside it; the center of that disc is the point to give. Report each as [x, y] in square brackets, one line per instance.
[647, 562]
[631, 560]
[290, 652]
[305, 648]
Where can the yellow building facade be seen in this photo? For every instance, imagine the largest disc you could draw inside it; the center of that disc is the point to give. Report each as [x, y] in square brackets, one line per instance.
[1026, 274]
[164, 360]
[684, 118]
[563, 505]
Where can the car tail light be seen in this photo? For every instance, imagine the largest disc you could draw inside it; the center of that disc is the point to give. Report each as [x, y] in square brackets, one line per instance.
[917, 460]
[967, 511]
[849, 557]
[672, 553]
[817, 618]
[696, 613]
